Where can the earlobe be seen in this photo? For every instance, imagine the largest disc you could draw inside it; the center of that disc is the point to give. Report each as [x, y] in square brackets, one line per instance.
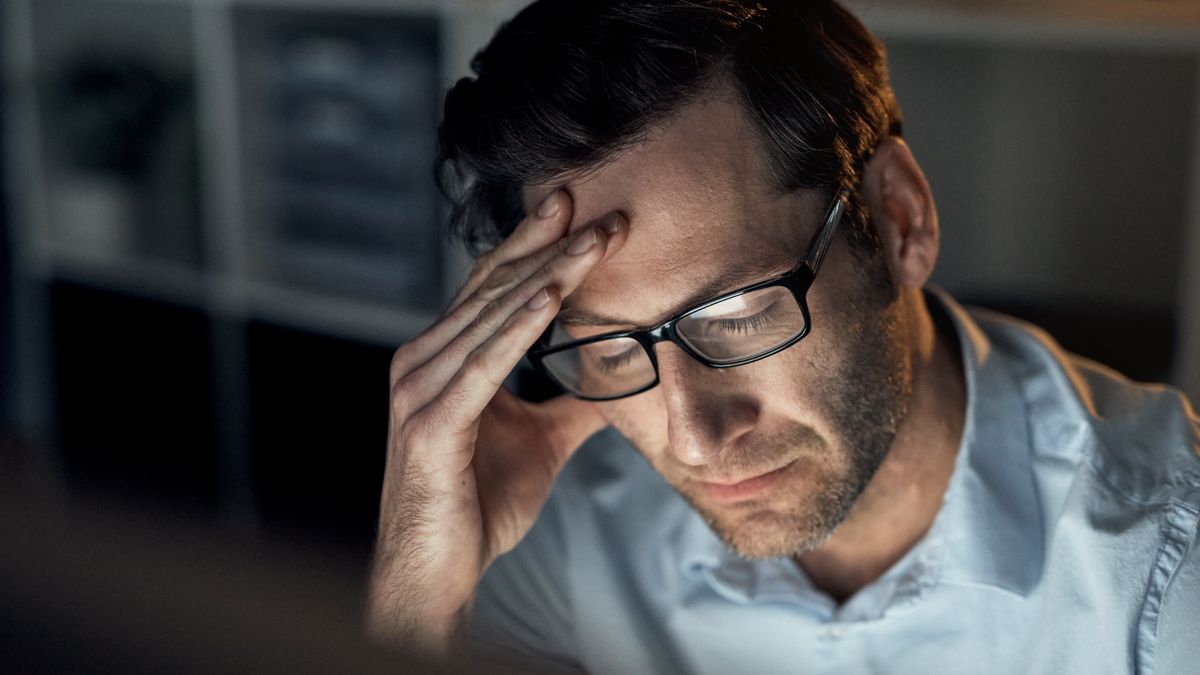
[901, 205]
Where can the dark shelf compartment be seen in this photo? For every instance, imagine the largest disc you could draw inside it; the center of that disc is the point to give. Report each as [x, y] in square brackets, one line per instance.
[319, 417]
[134, 397]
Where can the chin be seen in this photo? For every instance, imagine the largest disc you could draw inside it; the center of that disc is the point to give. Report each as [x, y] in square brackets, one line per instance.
[801, 514]
[769, 533]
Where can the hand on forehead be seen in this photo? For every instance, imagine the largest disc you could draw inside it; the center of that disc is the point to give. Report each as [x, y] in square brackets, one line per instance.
[698, 200]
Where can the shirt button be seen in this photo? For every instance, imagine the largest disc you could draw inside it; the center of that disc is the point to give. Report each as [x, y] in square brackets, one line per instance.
[836, 632]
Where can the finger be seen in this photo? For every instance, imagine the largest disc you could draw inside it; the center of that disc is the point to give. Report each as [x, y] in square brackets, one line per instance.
[431, 340]
[616, 231]
[546, 224]
[612, 235]
[613, 227]
[454, 413]
[564, 273]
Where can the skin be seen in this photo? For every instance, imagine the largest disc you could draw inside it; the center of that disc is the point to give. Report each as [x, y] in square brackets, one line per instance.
[867, 411]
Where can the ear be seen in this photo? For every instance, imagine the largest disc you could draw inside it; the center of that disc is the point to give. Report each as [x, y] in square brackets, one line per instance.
[901, 206]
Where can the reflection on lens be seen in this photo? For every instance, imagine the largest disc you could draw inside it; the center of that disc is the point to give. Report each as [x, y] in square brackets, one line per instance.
[602, 369]
[744, 326]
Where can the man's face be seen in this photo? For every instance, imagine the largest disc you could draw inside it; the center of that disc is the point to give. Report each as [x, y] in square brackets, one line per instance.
[771, 454]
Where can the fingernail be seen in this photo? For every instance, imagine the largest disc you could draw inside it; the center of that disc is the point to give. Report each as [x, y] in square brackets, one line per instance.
[612, 224]
[549, 206]
[582, 242]
[538, 301]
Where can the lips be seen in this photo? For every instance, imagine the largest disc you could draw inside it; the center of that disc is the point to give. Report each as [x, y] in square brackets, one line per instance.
[744, 489]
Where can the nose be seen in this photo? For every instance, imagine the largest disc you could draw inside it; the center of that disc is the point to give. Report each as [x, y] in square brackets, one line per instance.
[705, 412]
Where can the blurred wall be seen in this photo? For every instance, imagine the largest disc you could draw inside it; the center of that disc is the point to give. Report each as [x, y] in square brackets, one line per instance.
[1062, 175]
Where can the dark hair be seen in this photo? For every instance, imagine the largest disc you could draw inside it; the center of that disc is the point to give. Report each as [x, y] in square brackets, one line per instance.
[565, 85]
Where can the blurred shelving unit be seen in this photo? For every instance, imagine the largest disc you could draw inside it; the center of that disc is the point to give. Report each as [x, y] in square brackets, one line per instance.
[246, 177]
[1062, 141]
[223, 210]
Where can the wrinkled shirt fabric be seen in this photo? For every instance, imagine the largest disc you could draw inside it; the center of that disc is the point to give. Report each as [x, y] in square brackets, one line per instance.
[1066, 542]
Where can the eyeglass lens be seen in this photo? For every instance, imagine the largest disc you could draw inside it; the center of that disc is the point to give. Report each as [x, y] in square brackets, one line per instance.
[733, 330]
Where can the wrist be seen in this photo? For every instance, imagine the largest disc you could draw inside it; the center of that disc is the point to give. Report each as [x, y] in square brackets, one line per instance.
[405, 619]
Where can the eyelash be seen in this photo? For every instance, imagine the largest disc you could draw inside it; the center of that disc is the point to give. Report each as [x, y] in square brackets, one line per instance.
[749, 323]
[611, 363]
[734, 326]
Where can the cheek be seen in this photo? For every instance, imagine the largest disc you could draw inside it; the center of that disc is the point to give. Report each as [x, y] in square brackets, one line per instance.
[803, 383]
[791, 382]
[787, 386]
[642, 419]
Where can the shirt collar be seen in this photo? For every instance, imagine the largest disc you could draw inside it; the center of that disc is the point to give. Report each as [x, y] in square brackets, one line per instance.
[993, 523]
[988, 530]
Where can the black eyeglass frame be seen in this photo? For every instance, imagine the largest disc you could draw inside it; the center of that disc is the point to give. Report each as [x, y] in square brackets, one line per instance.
[797, 281]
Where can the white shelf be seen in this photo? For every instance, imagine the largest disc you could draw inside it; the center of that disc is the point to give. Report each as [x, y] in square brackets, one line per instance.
[326, 314]
[1155, 25]
[329, 315]
[152, 279]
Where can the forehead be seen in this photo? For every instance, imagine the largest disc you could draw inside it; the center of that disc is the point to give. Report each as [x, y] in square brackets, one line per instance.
[699, 203]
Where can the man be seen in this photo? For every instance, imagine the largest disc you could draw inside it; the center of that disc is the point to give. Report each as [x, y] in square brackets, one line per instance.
[705, 227]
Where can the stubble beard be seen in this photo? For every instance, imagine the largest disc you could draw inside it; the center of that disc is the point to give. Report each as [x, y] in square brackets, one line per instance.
[865, 399]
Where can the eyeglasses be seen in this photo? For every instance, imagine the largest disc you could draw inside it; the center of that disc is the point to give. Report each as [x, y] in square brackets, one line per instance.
[733, 329]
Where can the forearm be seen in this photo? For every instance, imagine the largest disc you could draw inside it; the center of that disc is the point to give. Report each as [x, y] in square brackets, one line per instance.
[401, 613]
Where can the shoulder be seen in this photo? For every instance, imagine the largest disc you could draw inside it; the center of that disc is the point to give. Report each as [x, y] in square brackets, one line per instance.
[1117, 469]
[607, 472]
[609, 498]
[609, 515]
[1142, 439]
[606, 499]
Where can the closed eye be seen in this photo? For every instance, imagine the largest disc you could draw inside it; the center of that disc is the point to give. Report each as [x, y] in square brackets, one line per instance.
[609, 364]
[748, 324]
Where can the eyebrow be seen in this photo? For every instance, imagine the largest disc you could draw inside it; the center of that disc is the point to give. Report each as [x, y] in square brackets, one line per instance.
[727, 281]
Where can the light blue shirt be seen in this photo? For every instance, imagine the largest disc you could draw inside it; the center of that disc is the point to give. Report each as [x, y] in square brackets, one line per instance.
[1066, 543]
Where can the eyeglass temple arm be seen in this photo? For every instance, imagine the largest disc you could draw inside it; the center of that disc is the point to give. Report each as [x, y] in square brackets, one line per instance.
[824, 238]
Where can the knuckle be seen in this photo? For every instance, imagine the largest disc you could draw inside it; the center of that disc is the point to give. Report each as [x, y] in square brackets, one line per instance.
[489, 320]
[413, 431]
[500, 280]
[477, 368]
[401, 400]
[553, 271]
[400, 364]
[431, 419]
[467, 308]
[474, 364]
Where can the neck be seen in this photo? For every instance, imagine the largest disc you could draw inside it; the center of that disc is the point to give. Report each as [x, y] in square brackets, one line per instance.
[899, 504]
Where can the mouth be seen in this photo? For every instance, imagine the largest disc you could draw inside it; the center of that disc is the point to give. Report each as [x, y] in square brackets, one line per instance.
[746, 488]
